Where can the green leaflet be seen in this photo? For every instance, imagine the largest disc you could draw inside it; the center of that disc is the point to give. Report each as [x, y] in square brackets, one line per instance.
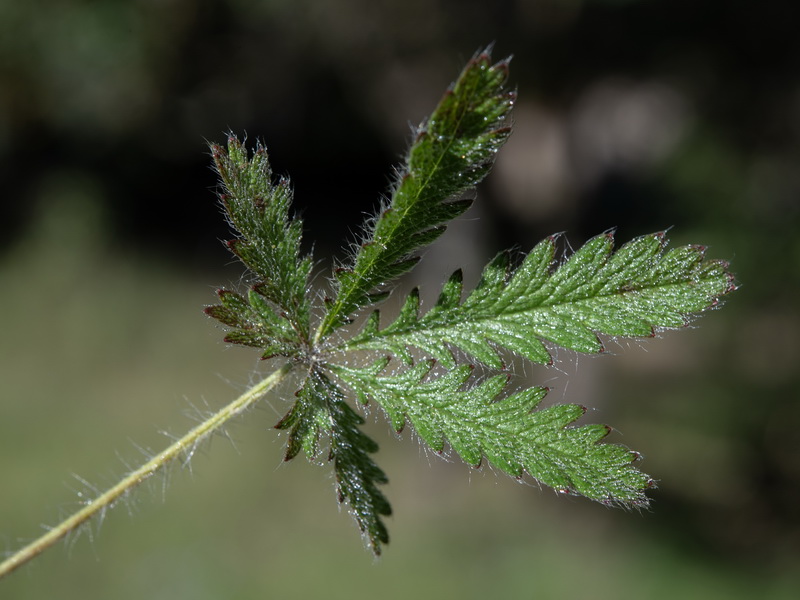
[509, 432]
[321, 410]
[452, 152]
[635, 291]
[357, 475]
[276, 314]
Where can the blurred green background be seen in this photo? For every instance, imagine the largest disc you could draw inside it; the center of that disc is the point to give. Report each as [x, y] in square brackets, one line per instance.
[637, 114]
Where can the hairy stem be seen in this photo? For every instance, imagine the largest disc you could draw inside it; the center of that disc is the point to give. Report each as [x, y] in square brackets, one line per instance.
[133, 479]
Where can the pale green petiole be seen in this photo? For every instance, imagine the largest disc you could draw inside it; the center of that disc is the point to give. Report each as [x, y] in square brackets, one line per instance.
[106, 500]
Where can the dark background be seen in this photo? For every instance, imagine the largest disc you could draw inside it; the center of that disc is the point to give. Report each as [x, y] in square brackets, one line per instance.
[640, 115]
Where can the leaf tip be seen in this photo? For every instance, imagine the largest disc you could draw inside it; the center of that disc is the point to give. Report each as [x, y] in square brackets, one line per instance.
[217, 151]
[504, 64]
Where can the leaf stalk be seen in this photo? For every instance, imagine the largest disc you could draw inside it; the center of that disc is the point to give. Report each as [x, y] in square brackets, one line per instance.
[107, 499]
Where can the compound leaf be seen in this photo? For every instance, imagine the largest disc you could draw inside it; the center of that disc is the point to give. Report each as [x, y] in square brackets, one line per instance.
[636, 291]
